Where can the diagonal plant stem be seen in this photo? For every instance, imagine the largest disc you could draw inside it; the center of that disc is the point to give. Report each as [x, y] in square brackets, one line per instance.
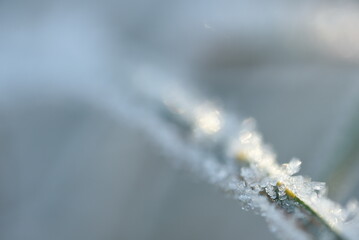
[212, 143]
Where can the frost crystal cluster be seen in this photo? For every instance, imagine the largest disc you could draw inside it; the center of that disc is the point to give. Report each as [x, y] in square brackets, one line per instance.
[229, 152]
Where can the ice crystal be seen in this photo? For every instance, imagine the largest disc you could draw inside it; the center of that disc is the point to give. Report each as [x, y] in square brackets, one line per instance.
[230, 153]
[292, 167]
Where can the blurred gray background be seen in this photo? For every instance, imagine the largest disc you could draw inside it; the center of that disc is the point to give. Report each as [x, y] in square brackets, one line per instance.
[71, 169]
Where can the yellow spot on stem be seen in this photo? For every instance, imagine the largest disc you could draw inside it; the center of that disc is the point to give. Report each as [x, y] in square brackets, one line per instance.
[289, 192]
[242, 157]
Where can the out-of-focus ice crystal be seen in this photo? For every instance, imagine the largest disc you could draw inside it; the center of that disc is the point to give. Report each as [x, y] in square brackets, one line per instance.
[208, 119]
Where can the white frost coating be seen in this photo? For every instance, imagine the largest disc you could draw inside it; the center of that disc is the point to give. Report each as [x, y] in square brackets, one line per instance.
[209, 141]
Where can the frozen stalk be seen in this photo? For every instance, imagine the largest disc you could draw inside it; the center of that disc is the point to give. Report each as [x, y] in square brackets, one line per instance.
[230, 153]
